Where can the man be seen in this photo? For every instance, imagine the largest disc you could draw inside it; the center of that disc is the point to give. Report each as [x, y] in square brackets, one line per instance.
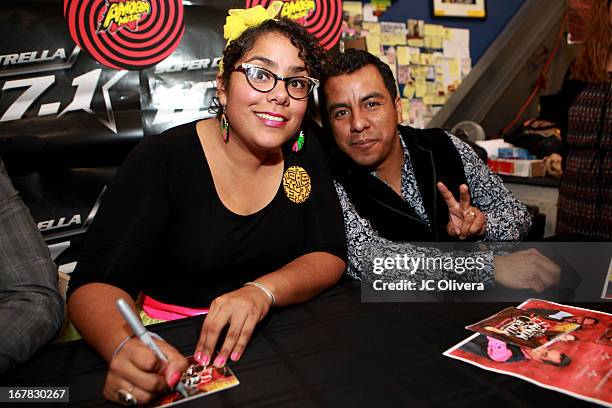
[31, 309]
[396, 183]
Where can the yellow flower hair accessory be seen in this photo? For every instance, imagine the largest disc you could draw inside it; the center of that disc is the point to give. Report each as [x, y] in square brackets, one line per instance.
[240, 19]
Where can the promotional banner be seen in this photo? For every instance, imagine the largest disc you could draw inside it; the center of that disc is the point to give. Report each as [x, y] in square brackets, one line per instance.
[58, 106]
[65, 117]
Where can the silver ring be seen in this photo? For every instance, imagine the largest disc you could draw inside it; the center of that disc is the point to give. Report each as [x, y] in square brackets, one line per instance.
[126, 397]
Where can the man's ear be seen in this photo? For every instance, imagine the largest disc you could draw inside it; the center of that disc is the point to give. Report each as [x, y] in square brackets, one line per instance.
[221, 90]
[398, 108]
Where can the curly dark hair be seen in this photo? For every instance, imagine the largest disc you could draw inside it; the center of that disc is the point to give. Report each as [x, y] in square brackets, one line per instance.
[309, 49]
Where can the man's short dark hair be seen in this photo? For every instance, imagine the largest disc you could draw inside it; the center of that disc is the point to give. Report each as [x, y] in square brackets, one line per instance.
[351, 60]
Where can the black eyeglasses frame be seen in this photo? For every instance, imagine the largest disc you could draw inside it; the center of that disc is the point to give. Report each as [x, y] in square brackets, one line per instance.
[245, 67]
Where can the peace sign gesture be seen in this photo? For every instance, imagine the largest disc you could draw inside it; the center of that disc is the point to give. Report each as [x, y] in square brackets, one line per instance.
[463, 220]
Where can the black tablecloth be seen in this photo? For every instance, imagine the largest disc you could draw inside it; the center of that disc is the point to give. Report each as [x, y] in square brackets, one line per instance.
[329, 352]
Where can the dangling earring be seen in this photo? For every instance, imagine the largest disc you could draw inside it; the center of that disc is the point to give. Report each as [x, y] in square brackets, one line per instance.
[299, 142]
[224, 127]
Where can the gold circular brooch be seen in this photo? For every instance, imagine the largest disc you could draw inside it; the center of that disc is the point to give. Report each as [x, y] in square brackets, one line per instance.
[296, 183]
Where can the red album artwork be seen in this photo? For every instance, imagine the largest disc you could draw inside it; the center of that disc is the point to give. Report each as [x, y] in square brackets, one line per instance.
[524, 328]
[199, 381]
[578, 364]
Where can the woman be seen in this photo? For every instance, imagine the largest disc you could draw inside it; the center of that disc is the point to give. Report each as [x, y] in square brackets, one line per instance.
[585, 194]
[197, 212]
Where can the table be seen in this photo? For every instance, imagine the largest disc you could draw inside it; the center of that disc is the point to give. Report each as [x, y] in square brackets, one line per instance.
[329, 352]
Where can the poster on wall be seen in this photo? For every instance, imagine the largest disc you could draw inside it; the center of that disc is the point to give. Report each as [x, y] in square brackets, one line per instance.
[459, 8]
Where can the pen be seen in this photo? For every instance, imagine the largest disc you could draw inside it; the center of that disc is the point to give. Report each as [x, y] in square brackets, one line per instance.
[139, 330]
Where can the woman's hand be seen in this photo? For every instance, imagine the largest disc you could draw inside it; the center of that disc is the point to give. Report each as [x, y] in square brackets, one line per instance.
[241, 309]
[137, 371]
[464, 220]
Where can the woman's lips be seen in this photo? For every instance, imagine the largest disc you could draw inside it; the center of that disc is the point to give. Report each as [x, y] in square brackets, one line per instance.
[271, 119]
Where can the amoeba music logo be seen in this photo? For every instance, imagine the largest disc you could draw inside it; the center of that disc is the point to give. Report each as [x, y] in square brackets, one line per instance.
[123, 14]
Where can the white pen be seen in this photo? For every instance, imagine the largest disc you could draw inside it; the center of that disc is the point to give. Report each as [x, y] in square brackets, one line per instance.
[139, 330]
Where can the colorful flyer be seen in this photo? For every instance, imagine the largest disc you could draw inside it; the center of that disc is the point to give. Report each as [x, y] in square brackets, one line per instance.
[579, 364]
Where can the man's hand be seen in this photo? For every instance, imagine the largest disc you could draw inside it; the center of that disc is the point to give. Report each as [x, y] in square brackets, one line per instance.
[527, 269]
[463, 220]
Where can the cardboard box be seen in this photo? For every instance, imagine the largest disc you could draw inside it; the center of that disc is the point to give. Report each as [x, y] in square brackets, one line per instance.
[517, 167]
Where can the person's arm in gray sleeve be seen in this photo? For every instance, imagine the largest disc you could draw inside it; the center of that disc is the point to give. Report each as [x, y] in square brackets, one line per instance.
[31, 309]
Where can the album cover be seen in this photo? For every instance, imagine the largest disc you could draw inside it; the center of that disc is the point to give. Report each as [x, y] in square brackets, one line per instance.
[523, 328]
[199, 382]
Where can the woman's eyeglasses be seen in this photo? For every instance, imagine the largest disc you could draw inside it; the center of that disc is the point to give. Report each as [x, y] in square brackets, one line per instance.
[262, 80]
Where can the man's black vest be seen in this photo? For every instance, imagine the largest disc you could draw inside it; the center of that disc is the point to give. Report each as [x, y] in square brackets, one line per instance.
[434, 158]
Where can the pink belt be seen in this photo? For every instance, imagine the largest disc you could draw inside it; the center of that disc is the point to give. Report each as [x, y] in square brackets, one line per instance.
[165, 311]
